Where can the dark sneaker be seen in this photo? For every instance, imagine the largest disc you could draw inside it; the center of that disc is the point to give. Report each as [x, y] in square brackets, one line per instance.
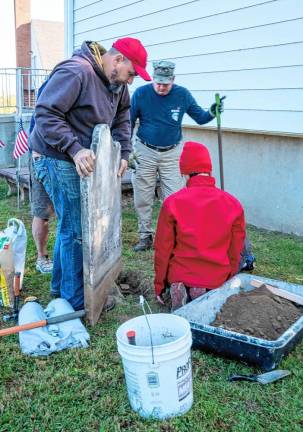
[109, 304]
[44, 265]
[144, 244]
[249, 264]
[178, 295]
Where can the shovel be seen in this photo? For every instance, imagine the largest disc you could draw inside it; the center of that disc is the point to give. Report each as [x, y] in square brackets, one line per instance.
[218, 117]
[42, 323]
[265, 378]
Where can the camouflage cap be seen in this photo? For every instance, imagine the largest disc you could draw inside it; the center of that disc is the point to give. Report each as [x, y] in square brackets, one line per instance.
[163, 71]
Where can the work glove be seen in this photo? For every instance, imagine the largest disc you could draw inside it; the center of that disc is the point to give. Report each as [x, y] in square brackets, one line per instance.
[212, 109]
[132, 161]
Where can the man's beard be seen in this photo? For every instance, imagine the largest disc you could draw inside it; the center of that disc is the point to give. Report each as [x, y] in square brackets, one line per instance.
[115, 84]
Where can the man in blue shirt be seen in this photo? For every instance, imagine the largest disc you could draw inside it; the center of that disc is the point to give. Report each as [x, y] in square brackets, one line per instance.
[160, 107]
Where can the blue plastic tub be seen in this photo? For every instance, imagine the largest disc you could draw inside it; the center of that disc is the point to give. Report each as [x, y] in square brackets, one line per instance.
[260, 352]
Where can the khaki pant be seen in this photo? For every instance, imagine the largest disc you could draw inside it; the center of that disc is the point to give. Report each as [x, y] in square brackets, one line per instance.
[151, 163]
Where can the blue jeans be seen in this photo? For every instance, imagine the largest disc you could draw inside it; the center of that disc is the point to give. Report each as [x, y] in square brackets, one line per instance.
[247, 257]
[62, 183]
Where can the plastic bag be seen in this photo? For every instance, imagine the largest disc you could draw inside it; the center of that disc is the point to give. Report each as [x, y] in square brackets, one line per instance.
[12, 258]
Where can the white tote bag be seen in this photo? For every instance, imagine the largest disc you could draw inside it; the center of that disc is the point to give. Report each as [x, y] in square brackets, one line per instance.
[12, 257]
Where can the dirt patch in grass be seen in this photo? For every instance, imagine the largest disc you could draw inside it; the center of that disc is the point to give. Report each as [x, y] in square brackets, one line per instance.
[122, 318]
[133, 282]
[127, 199]
[167, 428]
[258, 313]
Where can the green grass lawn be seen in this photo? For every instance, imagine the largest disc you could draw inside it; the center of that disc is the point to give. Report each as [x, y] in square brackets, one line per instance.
[84, 390]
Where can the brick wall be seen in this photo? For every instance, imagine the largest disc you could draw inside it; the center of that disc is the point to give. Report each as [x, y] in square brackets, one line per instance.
[23, 32]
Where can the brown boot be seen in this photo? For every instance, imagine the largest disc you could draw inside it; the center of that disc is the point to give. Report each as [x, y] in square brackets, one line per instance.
[196, 292]
[178, 295]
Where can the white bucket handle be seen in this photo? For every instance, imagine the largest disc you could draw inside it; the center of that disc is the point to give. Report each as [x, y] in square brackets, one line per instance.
[142, 301]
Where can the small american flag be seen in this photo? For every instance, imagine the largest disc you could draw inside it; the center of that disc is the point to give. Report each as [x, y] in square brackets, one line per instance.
[21, 145]
[2, 144]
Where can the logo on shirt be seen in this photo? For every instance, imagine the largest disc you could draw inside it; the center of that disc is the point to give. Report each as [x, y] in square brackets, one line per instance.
[175, 113]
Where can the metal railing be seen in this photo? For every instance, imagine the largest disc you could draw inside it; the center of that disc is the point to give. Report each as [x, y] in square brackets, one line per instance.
[19, 87]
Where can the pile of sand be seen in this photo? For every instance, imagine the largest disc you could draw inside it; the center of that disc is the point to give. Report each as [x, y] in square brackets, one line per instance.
[258, 313]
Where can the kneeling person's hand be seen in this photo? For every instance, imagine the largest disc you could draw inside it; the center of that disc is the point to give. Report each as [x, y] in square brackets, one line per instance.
[160, 299]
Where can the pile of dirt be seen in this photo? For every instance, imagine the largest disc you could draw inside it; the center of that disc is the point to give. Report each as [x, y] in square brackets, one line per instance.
[133, 282]
[127, 199]
[258, 313]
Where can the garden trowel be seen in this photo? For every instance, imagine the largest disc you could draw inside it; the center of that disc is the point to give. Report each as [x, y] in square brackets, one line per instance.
[265, 378]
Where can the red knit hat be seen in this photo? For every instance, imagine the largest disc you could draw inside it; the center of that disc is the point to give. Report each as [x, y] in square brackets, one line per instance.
[195, 158]
[135, 52]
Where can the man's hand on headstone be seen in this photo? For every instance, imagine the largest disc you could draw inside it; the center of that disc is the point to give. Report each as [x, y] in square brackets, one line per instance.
[84, 161]
[123, 167]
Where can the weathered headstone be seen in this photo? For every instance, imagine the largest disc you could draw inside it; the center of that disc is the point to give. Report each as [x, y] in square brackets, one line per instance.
[101, 223]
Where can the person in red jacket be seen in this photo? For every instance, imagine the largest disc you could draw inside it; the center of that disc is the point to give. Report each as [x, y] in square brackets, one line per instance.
[200, 233]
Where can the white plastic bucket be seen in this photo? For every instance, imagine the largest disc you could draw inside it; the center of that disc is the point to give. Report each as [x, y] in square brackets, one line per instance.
[158, 380]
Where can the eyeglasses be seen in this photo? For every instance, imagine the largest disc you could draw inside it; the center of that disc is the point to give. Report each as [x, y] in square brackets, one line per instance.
[132, 74]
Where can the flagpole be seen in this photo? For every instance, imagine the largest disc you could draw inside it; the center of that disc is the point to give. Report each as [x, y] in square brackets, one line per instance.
[21, 142]
[18, 172]
[18, 182]
[19, 113]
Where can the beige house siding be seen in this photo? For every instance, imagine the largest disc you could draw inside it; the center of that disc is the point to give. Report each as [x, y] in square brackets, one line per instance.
[47, 43]
[249, 50]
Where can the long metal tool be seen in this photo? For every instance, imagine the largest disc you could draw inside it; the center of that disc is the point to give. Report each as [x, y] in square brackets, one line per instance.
[265, 378]
[42, 323]
[218, 117]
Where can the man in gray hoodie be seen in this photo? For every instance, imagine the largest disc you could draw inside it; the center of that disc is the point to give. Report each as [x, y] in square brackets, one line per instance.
[83, 91]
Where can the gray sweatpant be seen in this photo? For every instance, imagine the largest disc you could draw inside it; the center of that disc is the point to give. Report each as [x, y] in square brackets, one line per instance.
[149, 164]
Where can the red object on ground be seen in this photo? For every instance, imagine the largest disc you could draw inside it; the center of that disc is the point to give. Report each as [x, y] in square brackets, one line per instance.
[200, 236]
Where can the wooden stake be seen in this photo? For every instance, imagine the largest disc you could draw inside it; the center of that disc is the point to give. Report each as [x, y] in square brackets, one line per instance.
[279, 292]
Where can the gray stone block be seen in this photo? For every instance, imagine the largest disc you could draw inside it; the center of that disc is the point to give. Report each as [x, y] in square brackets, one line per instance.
[101, 223]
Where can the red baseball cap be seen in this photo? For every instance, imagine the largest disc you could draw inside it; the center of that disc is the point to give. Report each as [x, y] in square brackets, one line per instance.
[135, 52]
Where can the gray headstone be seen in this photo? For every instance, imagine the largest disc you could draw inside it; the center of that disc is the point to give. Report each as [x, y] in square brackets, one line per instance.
[101, 223]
